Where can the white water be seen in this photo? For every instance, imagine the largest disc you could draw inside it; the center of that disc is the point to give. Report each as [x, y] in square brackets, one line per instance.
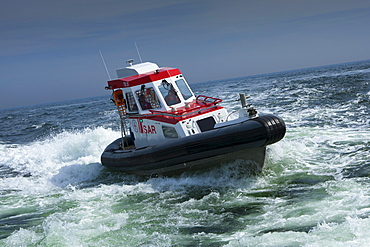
[334, 211]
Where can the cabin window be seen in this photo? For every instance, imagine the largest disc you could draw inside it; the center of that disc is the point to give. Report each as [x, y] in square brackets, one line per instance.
[131, 104]
[148, 99]
[169, 132]
[184, 89]
[169, 93]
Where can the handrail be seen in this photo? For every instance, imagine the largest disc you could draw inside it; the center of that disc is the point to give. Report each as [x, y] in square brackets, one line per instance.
[205, 99]
[177, 114]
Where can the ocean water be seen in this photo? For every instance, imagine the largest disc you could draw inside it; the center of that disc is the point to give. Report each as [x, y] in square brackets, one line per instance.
[314, 189]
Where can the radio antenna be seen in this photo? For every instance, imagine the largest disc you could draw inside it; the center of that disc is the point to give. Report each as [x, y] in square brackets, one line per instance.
[138, 53]
[106, 69]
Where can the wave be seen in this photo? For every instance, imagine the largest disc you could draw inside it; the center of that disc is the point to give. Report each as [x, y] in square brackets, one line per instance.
[46, 158]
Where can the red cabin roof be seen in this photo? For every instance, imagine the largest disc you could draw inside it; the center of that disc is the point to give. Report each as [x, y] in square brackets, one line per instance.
[136, 80]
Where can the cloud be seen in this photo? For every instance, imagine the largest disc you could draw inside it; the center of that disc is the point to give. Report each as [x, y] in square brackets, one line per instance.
[29, 26]
[41, 10]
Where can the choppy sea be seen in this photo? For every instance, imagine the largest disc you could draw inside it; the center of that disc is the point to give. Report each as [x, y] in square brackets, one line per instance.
[313, 191]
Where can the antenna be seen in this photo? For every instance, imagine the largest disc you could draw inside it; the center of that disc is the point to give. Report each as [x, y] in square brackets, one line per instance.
[138, 53]
[106, 69]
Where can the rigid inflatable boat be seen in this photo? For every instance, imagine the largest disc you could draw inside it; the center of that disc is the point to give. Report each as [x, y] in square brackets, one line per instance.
[167, 130]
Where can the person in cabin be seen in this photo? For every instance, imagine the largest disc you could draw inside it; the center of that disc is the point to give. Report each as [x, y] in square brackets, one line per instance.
[172, 97]
[145, 105]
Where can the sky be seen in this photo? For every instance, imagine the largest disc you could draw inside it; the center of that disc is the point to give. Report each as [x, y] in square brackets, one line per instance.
[49, 49]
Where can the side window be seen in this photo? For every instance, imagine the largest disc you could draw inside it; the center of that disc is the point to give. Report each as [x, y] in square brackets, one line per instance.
[169, 132]
[148, 99]
[131, 104]
[169, 93]
[184, 89]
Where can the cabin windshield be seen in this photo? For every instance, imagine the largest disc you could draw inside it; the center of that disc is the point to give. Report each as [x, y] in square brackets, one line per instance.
[169, 93]
[184, 89]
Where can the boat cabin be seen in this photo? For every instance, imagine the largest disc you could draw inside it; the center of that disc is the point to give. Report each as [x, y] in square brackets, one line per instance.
[160, 105]
[147, 87]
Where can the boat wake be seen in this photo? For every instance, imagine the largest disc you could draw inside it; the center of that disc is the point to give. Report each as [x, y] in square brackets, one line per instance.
[64, 153]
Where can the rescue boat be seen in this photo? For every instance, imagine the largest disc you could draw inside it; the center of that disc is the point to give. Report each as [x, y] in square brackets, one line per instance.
[167, 130]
